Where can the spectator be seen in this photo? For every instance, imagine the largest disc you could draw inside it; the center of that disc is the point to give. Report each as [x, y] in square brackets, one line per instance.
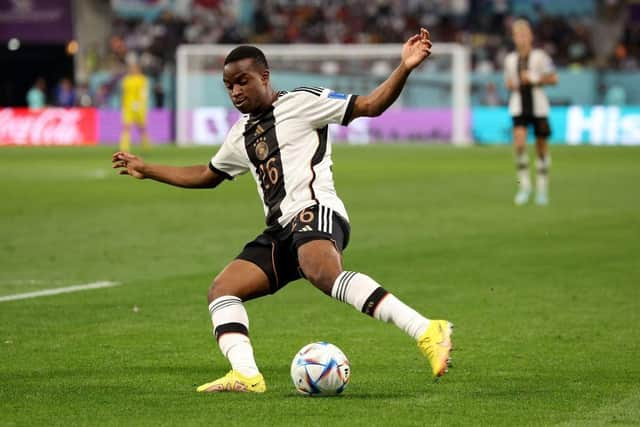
[158, 94]
[83, 98]
[65, 96]
[36, 97]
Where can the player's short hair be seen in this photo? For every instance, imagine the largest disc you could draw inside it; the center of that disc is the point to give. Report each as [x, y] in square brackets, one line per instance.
[521, 23]
[243, 52]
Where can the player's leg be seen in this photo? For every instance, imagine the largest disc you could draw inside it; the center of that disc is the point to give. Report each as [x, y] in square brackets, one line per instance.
[142, 127]
[125, 136]
[543, 161]
[522, 160]
[240, 281]
[320, 259]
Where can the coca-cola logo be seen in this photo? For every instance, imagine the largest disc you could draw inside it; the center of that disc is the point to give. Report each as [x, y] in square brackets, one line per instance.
[52, 126]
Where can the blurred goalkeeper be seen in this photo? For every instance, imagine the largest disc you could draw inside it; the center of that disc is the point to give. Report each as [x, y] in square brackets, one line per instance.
[135, 89]
[283, 141]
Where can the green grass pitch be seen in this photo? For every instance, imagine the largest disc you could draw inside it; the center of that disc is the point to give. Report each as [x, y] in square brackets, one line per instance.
[546, 301]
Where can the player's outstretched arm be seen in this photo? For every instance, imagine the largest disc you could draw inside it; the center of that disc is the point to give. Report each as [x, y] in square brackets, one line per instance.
[414, 51]
[199, 176]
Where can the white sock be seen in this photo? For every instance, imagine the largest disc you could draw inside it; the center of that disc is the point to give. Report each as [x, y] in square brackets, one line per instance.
[366, 295]
[231, 329]
[542, 176]
[522, 164]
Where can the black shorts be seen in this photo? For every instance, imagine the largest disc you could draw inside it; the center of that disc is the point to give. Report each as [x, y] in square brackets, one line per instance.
[541, 126]
[275, 251]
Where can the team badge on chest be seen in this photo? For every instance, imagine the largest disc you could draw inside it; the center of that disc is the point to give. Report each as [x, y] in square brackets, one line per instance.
[262, 149]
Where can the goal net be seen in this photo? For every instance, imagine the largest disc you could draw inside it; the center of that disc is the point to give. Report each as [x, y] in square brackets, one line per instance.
[433, 107]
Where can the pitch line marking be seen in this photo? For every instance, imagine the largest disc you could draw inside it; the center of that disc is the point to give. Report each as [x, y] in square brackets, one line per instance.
[56, 291]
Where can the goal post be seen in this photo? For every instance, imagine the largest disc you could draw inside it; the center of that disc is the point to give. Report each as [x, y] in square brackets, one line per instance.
[439, 88]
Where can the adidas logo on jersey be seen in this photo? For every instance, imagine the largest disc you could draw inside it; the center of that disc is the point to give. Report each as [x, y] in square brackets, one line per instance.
[306, 228]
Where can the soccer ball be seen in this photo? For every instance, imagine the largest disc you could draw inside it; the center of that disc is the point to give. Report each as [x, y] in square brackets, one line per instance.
[320, 369]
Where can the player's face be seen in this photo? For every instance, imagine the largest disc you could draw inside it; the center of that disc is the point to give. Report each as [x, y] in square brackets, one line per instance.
[522, 37]
[247, 84]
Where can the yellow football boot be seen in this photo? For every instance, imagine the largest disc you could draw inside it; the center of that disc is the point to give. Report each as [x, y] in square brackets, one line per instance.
[435, 344]
[235, 381]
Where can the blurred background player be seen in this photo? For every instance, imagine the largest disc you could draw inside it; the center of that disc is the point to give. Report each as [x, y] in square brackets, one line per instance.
[526, 71]
[134, 106]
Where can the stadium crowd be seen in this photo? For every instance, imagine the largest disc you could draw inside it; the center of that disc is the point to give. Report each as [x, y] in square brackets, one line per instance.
[482, 23]
[612, 40]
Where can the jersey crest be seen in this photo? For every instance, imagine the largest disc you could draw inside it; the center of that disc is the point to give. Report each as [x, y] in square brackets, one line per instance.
[262, 149]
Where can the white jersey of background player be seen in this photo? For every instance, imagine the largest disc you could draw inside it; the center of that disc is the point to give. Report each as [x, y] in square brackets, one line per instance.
[283, 141]
[526, 71]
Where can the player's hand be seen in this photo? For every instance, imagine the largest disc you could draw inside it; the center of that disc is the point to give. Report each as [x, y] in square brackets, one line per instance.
[128, 164]
[511, 85]
[416, 49]
[525, 79]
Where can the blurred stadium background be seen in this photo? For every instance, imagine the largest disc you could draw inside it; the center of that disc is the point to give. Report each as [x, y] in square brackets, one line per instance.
[81, 48]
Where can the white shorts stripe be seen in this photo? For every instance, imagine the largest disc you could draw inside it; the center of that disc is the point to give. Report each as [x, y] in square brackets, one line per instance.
[325, 219]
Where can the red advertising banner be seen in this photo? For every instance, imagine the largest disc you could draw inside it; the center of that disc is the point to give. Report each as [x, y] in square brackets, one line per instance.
[49, 126]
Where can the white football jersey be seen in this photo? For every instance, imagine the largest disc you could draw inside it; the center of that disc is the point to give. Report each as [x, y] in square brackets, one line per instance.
[529, 100]
[288, 151]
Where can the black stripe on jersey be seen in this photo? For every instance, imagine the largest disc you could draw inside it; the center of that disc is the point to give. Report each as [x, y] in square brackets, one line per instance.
[374, 299]
[526, 93]
[219, 172]
[306, 90]
[226, 328]
[312, 88]
[263, 149]
[347, 114]
[318, 156]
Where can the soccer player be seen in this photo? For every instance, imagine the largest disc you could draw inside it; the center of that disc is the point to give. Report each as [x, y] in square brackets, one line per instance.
[526, 71]
[134, 106]
[282, 140]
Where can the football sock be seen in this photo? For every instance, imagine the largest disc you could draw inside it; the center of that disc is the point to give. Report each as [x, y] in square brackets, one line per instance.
[366, 295]
[542, 176]
[522, 164]
[231, 329]
[125, 137]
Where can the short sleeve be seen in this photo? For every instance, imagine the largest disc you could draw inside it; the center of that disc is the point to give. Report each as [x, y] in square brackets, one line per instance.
[228, 162]
[323, 106]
